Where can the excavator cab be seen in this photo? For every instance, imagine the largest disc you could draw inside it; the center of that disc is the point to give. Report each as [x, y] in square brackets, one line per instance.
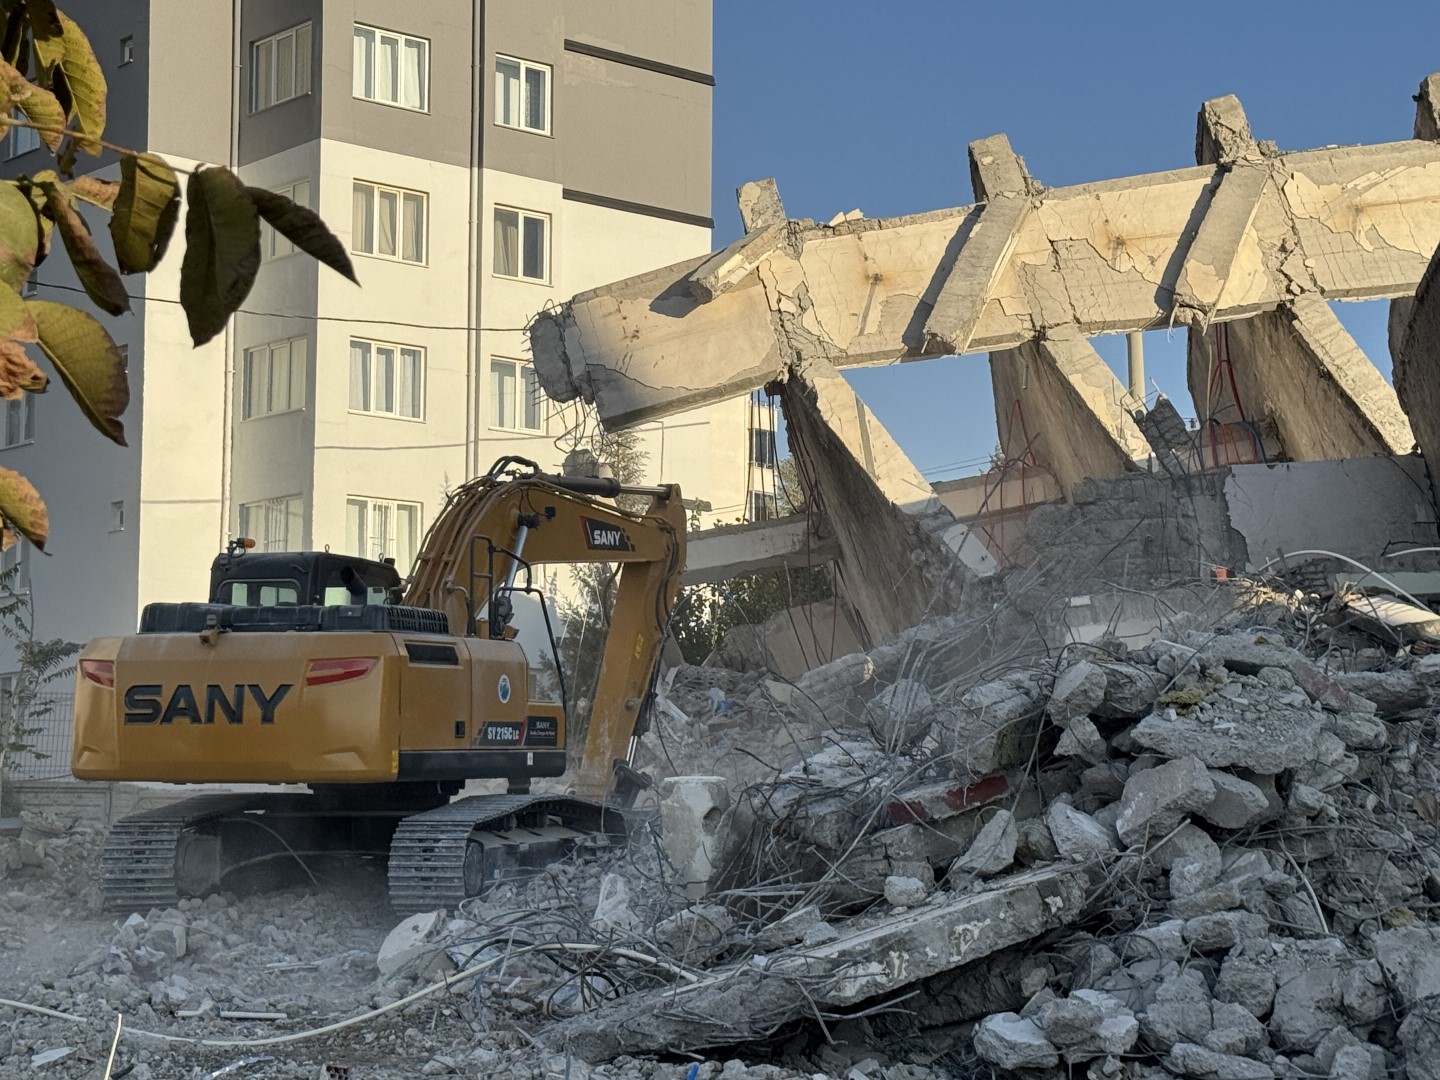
[248, 578]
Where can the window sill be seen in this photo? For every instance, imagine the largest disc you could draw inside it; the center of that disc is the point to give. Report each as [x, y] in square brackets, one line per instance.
[393, 259]
[387, 416]
[533, 432]
[17, 445]
[268, 415]
[277, 104]
[544, 283]
[546, 134]
[389, 104]
[21, 153]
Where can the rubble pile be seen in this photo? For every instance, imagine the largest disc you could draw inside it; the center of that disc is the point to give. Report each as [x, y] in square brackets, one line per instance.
[53, 855]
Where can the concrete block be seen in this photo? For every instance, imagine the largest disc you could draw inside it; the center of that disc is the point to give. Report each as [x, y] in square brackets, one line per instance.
[1236, 803]
[1014, 1042]
[1235, 1031]
[1187, 1059]
[408, 947]
[1157, 800]
[1077, 834]
[695, 935]
[692, 816]
[1248, 983]
[1079, 690]
[993, 849]
[905, 892]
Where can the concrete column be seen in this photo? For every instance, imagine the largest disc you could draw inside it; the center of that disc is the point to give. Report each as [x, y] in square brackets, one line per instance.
[1417, 369]
[903, 556]
[1059, 398]
[1135, 365]
[1427, 127]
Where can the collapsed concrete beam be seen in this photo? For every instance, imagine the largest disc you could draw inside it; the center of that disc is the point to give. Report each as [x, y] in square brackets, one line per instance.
[731, 551]
[1347, 223]
[902, 554]
[1057, 402]
[874, 955]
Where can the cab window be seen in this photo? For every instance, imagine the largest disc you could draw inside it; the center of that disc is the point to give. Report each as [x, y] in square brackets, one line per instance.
[261, 593]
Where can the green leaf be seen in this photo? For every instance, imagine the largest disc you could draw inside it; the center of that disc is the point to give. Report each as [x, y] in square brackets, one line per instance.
[39, 106]
[16, 322]
[23, 509]
[87, 362]
[102, 283]
[21, 235]
[145, 212]
[222, 251]
[46, 31]
[101, 193]
[303, 228]
[18, 372]
[86, 80]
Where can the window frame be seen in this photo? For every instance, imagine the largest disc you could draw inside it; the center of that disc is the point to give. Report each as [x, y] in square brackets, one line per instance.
[25, 405]
[273, 40]
[764, 453]
[370, 503]
[525, 66]
[12, 144]
[127, 50]
[520, 368]
[247, 406]
[401, 53]
[17, 554]
[288, 508]
[400, 348]
[522, 215]
[400, 193]
[271, 239]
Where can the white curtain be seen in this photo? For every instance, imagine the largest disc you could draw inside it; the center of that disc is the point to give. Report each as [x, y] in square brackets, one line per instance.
[279, 398]
[302, 60]
[502, 393]
[407, 533]
[356, 525]
[507, 92]
[533, 401]
[285, 67]
[413, 240]
[507, 243]
[387, 68]
[384, 379]
[263, 96]
[362, 223]
[389, 210]
[256, 361]
[412, 87]
[298, 351]
[364, 63]
[360, 375]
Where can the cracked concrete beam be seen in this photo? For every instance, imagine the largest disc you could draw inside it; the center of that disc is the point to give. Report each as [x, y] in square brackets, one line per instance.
[1058, 401]
[1001, 184]
[1351, 223]
[902, 554]
[1417, 369]
[730, 551]
[760, 204]
[725, 268]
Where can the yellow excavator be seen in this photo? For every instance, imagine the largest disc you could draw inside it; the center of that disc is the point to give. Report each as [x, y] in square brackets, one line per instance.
[320, 669]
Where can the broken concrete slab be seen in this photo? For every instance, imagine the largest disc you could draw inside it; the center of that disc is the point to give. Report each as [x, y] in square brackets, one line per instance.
[872, 955]
[1287, 738]
[1078, 691]
[993, 849]
[1157, 800]
[1187, 1059]
[1077, 834]
[1236, 802]
[1012, 1041]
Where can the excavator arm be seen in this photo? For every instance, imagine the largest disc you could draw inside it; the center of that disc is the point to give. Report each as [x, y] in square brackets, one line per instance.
[494, 527]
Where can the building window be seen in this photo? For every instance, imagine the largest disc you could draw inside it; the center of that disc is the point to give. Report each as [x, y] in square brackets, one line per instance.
[516, 403]
[274, 524]
[15, 568]
[127, 50]
[381, 529]
[388, 222]
[280, 68]
[522, 95]
[19, 421]
[22, 139]
[387, 379]
[762, 448]
[273, 378]
[762, 506]
[117, 516]
[522, 244]
[31, 288]
[391, 68]
[274, 245]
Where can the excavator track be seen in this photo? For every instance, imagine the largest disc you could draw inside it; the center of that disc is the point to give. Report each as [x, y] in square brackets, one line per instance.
[441, 856]
[139, 864]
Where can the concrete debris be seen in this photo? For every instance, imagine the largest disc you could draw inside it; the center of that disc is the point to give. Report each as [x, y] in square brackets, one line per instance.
[993, 849]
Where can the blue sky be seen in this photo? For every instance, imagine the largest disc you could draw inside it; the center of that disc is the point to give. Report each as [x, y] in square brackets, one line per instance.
[872, 105]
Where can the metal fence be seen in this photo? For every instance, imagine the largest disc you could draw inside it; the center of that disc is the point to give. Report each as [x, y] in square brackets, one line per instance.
[45, 739]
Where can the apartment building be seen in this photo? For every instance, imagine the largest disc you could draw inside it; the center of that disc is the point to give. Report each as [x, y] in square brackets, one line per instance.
[480, 161]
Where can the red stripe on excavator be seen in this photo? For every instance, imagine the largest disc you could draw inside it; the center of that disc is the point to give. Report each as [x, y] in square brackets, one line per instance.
[321, 672]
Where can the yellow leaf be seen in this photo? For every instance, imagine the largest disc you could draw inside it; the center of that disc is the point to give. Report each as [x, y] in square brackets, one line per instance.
[18, 372]
[87, 361]
[23, 509]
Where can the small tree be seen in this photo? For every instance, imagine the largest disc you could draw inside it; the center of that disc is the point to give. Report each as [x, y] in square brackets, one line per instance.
[27, 702]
